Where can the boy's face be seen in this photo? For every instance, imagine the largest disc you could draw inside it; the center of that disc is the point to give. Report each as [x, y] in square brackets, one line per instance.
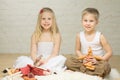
[46, 20]
[89, 22]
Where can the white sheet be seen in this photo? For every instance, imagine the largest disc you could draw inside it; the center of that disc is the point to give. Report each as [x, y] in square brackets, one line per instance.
[114, 75]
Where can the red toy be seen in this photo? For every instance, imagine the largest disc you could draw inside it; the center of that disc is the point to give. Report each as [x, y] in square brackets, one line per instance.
[34, 70]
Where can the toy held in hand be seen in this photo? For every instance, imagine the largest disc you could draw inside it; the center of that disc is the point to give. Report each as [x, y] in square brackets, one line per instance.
[38, 61]
[90, 60]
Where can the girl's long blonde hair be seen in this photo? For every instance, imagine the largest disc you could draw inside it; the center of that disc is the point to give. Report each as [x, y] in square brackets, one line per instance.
[38, 31]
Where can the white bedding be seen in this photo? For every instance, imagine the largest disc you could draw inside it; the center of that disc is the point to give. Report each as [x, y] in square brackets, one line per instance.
[68, 76]
[114, 75]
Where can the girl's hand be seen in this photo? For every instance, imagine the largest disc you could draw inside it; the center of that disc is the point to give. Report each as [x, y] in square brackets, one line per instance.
[39, 61]
[43, 61]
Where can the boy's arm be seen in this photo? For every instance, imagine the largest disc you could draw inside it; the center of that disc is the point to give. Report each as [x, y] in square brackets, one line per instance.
[106, 47]
[78, 46]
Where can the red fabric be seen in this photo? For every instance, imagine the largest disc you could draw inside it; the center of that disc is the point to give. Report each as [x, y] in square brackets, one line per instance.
[34, 70]
[37, 71]
[25, 70]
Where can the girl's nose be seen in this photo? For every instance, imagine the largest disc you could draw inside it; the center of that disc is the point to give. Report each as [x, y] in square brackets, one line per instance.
[46, 21]
[88, 23]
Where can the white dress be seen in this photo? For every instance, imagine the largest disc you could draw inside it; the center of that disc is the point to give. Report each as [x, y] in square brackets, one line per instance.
[55, 64]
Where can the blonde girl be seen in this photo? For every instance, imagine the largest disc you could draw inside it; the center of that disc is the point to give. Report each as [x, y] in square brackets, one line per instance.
[45, 44]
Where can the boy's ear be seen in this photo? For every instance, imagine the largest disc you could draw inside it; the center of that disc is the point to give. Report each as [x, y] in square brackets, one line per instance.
[97, 22]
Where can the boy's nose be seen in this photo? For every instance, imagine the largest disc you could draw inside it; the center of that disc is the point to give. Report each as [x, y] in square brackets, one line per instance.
[88, 22]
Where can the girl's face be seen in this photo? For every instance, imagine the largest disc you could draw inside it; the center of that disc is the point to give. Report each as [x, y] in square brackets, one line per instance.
[89, 22]
[46, 20]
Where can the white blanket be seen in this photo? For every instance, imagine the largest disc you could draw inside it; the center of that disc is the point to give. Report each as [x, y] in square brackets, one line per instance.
[114, 75]
[68, 76]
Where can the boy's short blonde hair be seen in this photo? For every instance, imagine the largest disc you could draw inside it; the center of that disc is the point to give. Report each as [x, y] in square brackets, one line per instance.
[91, 11]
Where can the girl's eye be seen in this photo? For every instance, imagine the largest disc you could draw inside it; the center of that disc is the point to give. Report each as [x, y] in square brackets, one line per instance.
[85, 20]
[43, 18]
[49, 18]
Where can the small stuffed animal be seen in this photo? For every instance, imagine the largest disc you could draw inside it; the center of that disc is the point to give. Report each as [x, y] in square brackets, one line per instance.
[29, 72]
[86, 60]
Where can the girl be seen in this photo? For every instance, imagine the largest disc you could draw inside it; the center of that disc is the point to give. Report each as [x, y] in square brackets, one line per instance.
[98, 43]
[45, 44]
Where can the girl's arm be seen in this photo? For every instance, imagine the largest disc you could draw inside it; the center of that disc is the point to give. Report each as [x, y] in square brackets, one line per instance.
[56, 48]
[33, 48]
[78, 46]
[106, 47]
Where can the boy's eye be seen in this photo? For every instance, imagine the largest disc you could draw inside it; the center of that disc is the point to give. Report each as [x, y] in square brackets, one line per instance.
[88, 20]
[91, 20]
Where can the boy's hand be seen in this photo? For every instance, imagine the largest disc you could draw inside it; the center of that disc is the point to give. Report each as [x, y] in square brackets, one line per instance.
[89, 59]
[81, 57]
[98, 57]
